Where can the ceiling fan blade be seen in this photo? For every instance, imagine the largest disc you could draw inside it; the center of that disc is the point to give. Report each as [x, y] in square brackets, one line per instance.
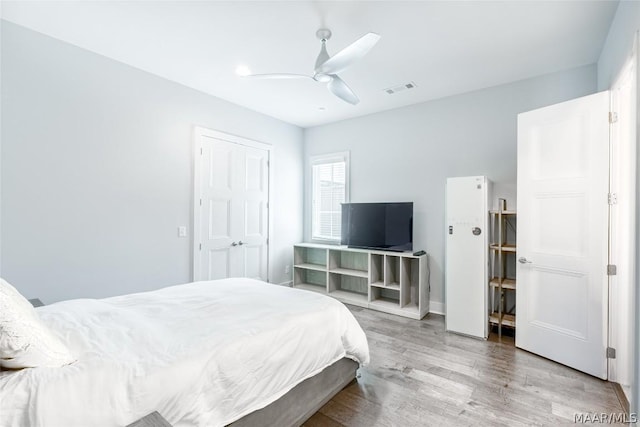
[277, 76]
[349, 54]
[339, 88]
[323, 56]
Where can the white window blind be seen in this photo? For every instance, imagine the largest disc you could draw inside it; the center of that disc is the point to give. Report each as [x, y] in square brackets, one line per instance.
[329, 191]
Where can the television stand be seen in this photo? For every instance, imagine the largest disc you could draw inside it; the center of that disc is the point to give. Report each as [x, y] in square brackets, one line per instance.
[392, 282]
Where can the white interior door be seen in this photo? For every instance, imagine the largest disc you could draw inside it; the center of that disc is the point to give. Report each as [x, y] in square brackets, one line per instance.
[466, 256]
[563, 157]
[231, 211]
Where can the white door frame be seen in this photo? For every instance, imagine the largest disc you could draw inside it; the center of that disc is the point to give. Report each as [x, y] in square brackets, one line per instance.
[622, 251]
[635, 383]
[198, 133]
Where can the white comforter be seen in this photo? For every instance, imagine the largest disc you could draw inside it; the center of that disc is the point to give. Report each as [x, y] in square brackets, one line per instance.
[204, 353]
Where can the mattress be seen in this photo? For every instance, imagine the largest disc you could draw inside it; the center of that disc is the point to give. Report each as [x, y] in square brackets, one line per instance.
[203, 353]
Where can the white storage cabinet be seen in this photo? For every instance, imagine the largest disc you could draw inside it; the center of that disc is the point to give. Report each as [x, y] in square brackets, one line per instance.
[392, 282]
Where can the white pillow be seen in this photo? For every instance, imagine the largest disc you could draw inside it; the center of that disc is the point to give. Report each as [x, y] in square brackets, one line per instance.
[25, 342]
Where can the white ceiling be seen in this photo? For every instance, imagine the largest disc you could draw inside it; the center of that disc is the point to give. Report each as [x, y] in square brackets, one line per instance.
[445, 47]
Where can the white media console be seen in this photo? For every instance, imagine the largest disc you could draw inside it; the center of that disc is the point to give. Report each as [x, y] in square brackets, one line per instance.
[393, 282]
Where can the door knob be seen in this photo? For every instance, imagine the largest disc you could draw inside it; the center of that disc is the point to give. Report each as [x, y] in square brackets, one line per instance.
[240, 242]
[523, 260]
[234, 244]
[476, 231]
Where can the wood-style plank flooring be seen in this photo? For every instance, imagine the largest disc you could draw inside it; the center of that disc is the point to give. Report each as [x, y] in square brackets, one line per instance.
[420, 375]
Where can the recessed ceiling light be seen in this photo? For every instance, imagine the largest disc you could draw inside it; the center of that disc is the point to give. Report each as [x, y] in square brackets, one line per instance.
[242, 70]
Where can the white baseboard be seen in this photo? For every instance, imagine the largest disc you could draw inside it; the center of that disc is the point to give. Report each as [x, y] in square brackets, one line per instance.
[436, 307]
[288, 284]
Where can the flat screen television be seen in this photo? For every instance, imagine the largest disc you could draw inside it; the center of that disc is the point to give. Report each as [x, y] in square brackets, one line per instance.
[385, 226]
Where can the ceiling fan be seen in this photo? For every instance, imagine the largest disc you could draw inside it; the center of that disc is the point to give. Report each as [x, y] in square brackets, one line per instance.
[327, 68]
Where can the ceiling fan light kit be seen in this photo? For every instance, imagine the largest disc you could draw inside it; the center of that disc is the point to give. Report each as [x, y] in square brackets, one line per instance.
[327, 67]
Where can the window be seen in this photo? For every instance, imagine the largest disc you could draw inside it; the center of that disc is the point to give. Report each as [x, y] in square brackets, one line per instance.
[329, 189]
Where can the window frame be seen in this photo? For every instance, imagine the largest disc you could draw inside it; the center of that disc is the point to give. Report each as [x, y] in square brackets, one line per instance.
[321, 159]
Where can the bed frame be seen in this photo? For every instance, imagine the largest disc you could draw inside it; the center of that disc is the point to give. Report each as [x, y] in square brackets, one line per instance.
[305, 399]
[292, 409]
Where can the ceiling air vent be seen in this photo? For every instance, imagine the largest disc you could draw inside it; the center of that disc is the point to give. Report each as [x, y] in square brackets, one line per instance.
[400, 88]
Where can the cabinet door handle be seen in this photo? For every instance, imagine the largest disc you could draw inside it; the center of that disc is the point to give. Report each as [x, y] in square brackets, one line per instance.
[240, 242]
[234, 244]
[523, 260]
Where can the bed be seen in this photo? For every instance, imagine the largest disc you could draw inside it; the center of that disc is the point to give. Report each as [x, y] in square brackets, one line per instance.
[233, 351]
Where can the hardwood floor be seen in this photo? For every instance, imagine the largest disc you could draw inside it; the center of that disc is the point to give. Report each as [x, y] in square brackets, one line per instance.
[420, 375]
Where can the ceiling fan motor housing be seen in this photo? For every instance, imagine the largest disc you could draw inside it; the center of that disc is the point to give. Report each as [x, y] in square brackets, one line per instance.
[323, 34]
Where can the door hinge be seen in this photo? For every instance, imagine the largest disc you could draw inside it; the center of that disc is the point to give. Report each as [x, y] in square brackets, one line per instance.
[611, 353]
[200, 246]
[612, 269]
[612, 198]
[613, 117]
[267, 240]
[200, 202]
[201, 151]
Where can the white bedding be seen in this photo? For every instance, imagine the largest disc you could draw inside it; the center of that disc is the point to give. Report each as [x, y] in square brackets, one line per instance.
[201, 354]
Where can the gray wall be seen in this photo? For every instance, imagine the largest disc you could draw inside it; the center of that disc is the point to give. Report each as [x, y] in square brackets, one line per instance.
[406, 154]
[97, 172]
[614, 54]
[619, 43]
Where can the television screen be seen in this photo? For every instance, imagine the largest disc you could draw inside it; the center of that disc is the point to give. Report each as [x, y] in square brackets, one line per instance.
[387, 226]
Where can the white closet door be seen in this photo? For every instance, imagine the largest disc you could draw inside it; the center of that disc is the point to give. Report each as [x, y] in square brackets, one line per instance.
[563, 153]
[253, 236]
[231, 215]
